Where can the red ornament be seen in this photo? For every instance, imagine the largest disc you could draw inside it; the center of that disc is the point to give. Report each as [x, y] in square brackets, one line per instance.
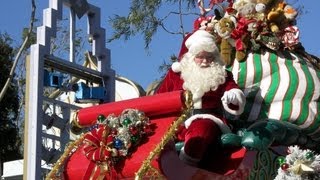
[133, 130]
[284, 166]
[147, 128]
[114, 132]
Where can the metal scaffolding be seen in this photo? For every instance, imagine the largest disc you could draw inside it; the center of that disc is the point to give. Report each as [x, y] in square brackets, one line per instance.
[37, 118]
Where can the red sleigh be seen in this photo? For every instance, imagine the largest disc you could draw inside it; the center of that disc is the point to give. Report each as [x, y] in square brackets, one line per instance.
[152, 158]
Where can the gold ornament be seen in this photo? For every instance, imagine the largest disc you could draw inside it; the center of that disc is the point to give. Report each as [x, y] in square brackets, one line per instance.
[299, 167]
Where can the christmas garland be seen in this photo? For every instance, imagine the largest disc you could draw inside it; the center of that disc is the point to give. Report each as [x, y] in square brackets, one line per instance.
[299, 164]
[108, 141]
[112, 137]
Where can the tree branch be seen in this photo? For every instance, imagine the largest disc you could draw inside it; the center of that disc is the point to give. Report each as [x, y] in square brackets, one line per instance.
[180, 14]
[32, 19]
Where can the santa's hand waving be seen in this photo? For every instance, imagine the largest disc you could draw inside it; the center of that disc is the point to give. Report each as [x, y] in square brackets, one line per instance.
[229, 97]
[234, 97]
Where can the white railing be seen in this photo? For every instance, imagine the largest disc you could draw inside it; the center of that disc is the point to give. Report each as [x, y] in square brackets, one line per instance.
[42, 136]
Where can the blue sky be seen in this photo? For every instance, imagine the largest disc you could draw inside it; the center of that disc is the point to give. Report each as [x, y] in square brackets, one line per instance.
[129, 58]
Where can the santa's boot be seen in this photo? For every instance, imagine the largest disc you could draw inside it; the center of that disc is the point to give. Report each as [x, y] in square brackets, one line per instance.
[188, 159]
[200, 134]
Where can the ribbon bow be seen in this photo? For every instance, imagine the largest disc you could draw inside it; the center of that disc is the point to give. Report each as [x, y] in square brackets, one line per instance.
[97, 144]
[97, 150]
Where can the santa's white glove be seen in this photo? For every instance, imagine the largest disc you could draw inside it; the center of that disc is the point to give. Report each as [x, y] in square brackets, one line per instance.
[236, 97]
[230, 97]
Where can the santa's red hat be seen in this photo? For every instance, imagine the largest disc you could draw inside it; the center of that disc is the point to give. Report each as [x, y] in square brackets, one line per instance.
[199, 23]
[194, 43]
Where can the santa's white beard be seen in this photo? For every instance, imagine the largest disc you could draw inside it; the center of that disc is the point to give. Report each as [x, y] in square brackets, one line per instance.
[201, 80]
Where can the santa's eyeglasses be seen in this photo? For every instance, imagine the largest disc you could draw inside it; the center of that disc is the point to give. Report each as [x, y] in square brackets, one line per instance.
[208, 58]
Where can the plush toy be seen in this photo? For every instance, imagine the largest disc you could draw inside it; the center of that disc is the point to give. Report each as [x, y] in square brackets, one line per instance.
[246, 18]
[203, 23]
[241, 36]
[266, 5]
[223, 28]
[244, 8]
[262, 36]
[281, 17]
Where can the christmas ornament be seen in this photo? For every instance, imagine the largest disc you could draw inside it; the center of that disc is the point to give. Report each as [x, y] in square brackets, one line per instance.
[299, 164]
[111, 139]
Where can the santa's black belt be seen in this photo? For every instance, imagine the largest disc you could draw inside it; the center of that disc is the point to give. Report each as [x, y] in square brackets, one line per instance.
[216, 111]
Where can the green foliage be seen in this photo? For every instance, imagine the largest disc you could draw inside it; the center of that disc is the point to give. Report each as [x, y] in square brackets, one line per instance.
[9, 139]
[141, 19]
[32, 37]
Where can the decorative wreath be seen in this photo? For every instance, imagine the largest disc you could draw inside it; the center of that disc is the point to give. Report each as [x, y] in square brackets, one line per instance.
[113, 137]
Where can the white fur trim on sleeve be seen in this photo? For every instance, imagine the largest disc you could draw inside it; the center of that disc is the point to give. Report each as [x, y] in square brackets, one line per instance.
[241, 102]
[223, 127]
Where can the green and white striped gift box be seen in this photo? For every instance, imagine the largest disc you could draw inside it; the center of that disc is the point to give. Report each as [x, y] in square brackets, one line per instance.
[281, 86]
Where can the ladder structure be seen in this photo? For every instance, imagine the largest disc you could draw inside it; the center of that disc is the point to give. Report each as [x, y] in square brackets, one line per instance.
[37, 154]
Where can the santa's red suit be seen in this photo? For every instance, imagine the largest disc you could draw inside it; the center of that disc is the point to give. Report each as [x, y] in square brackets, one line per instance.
[211, 109]
[202, 130]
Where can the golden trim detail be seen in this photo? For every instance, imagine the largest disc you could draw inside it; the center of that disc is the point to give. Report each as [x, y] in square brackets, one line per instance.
[146, 167]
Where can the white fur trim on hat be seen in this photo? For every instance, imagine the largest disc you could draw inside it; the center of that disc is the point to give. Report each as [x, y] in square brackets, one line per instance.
[223, 127]
[201, 40]
[176, 67]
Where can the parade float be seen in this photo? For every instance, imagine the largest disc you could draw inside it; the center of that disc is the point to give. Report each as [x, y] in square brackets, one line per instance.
[277, 135]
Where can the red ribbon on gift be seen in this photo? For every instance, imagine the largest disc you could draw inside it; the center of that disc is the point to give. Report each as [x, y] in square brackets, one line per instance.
[97, 151]
[97, 142]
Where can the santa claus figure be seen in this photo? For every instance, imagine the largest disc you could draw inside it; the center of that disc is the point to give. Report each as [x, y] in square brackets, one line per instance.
[202, 72]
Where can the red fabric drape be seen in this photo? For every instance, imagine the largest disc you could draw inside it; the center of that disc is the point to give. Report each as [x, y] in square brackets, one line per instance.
[159, 105]
[80, 167]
